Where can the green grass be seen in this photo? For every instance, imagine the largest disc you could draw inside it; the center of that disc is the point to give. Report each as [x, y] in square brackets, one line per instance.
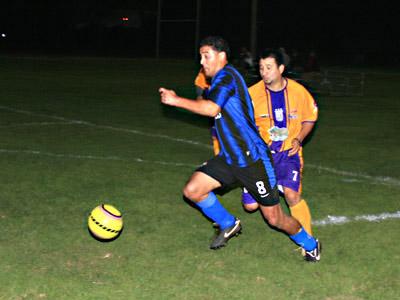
[54, 172]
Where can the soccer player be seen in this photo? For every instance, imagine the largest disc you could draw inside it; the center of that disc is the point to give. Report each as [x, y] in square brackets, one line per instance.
[244, 159]
[285, 114]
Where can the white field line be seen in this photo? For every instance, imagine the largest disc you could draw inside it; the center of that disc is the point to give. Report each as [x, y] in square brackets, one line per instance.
[138, 132]
[32, 124]
[376, 179]
[339, 220]
[27, 112]
[329, 220]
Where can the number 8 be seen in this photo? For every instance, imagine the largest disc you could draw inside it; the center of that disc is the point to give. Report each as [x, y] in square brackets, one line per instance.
[261, 188]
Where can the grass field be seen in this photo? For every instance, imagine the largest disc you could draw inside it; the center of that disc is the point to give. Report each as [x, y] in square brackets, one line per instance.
[76, 132]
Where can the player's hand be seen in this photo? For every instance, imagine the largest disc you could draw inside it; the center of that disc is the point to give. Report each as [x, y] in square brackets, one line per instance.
[168, 97]
[296, 145]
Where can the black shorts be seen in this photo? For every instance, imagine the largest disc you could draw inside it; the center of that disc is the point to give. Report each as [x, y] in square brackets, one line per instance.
[254, 178]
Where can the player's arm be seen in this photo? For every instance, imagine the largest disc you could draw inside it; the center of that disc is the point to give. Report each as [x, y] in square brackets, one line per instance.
[202, 106]
[306, 128]
[309, 112]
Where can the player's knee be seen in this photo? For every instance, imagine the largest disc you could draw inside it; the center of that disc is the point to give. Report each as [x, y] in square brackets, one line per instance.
[191, 192]
[292, 198]
[273, 216]
[250, 207]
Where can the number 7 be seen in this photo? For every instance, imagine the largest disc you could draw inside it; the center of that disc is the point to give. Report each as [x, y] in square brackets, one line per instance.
[295, 173]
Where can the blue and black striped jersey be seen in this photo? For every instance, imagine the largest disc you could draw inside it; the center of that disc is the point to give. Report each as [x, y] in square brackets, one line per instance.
[240, 141]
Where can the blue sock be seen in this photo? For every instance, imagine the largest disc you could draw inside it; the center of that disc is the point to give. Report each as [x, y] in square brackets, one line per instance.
[213, 209]
[303, 239]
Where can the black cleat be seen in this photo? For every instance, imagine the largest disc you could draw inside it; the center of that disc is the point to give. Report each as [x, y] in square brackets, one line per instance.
[314, 255]
[223, 236]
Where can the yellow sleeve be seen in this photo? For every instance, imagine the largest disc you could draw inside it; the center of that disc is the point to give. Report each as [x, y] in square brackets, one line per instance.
[201, 80]
[309, 108]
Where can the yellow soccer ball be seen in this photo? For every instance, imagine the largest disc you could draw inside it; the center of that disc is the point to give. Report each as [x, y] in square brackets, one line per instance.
[105, 222]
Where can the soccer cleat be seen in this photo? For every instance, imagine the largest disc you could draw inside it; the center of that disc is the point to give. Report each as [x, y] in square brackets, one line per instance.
[314, 255]
[223, 236]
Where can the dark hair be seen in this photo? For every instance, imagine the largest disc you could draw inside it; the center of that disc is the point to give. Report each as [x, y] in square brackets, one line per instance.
[273, 53]
[217, 43]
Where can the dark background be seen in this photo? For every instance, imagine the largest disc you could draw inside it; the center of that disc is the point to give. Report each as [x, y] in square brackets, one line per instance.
[341, 32]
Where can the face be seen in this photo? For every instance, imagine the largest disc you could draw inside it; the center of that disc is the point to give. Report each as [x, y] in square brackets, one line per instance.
[211, 60]
[270, 71]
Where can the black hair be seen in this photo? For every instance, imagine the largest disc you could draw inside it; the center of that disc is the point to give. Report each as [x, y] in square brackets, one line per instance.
[217, 43]
[273, 53]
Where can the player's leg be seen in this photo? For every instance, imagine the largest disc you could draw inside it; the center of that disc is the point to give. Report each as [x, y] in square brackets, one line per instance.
[289, 174]
[199, 186]
[276, 217]
[273, 214]
[199, 189]
[264, 190]
[298, 208]
[248, 202]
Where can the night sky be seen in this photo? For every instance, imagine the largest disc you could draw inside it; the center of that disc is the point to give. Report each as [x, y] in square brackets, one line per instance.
[348, 31]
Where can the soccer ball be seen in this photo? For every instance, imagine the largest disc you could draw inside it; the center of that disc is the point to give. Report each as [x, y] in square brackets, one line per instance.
[105, 222]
